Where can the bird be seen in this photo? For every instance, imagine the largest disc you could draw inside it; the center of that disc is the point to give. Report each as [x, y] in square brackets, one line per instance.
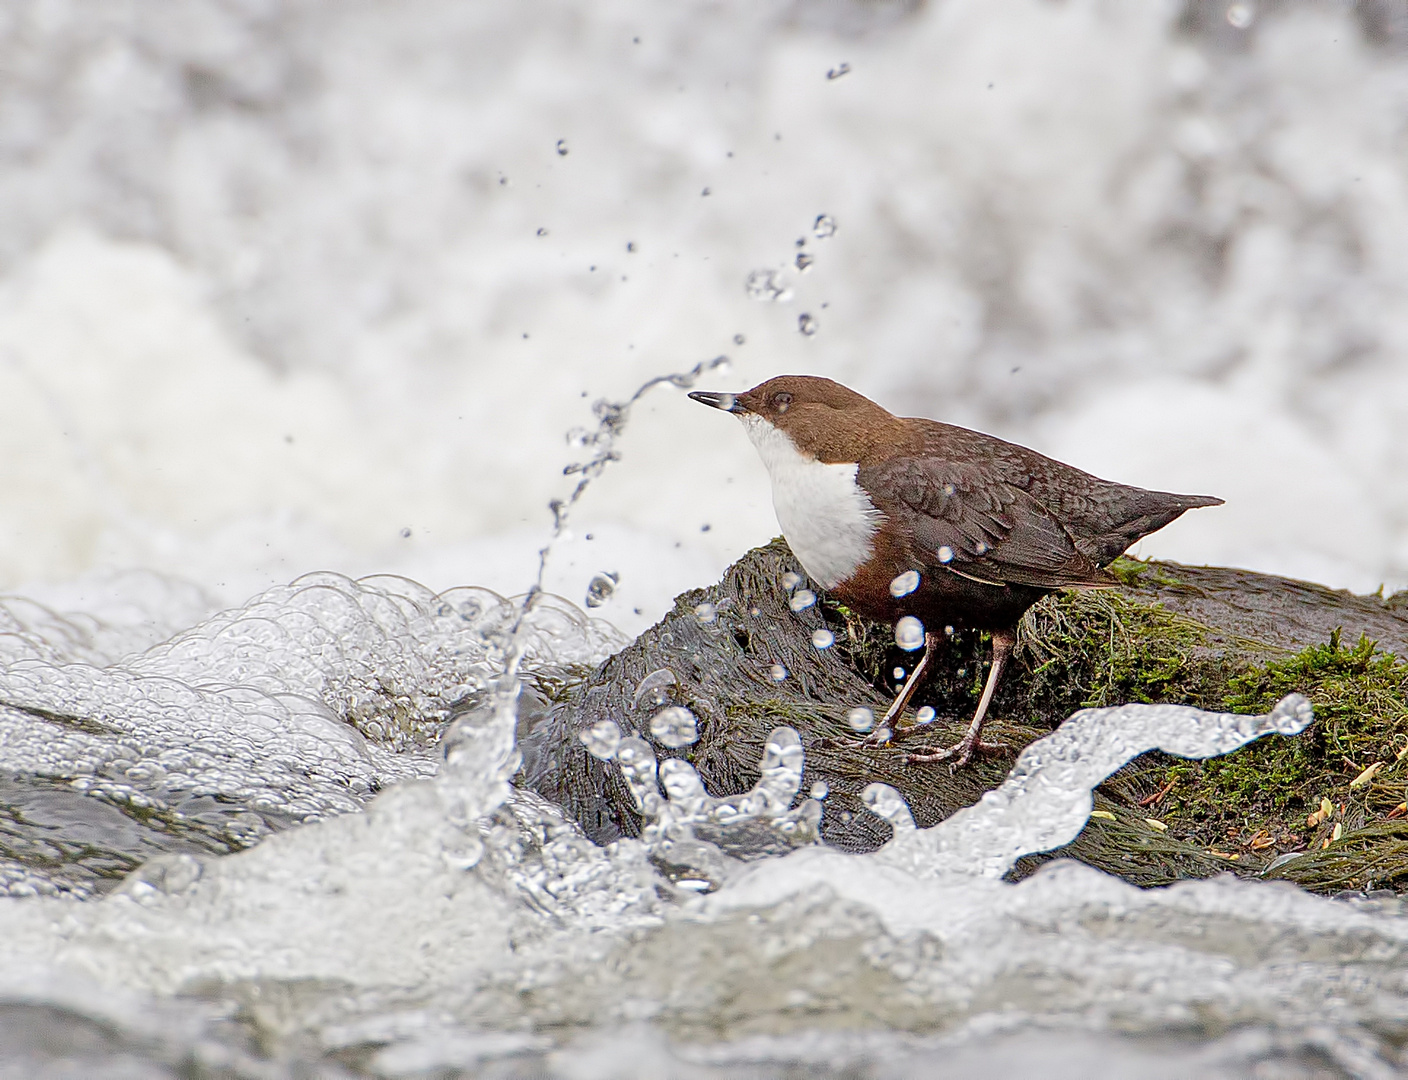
[901, 517]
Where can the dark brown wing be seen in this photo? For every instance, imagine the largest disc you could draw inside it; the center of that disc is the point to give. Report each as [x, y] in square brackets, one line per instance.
[965, 517]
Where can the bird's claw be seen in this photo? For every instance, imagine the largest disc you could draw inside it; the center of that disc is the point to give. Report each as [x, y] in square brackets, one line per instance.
[963, 751]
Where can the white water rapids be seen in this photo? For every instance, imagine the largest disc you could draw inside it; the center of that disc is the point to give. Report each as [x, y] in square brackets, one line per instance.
[450, 922]
[294, 292]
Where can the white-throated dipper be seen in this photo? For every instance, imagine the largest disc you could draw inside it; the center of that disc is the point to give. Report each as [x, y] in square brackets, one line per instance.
[901, 516]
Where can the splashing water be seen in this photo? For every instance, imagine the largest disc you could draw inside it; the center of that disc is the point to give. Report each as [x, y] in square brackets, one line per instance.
[904, 584]
[767, 286]
[801, 600]
[675, 727]
[909, 633]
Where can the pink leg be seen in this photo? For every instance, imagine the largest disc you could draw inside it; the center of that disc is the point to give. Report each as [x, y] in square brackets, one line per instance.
[891, 718]
[1003, 642]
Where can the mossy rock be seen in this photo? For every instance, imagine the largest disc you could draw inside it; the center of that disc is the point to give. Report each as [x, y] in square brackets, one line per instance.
[1211, 637]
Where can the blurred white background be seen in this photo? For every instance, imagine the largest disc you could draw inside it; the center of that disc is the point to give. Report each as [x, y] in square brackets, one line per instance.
[288, 285]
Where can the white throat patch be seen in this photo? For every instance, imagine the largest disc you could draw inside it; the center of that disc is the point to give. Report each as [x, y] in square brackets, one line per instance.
[827, 517]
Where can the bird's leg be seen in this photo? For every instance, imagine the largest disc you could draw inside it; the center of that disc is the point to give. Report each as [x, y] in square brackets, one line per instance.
[1003, 642]
[889, 722]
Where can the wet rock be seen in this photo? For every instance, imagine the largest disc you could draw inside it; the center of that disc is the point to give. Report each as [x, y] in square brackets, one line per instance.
[1187, 635]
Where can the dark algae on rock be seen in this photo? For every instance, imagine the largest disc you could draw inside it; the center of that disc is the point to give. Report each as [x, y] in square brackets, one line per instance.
[1324, 809]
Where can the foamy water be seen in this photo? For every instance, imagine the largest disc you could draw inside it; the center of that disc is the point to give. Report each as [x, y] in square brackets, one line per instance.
[292, 289]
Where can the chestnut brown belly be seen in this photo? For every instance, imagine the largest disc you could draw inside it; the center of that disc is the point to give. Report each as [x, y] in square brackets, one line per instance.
[942, 599]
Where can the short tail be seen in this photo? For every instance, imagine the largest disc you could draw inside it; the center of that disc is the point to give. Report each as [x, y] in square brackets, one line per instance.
[1146, 515]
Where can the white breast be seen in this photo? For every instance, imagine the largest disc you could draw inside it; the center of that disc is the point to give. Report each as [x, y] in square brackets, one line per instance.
[827, 518]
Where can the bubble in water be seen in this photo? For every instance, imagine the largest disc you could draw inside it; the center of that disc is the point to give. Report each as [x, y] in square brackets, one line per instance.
[790, 580]
[562, 148]
[948, 630]
[674, 727]
[820, 790]
[655, 688]
[804, 262]
[705, 613]
[909, 633]
[739, 339]
[824, 226]
[840, 69]
[883, 735]
[802, 599]
[823, 639]
[542, 231]
[601, 739]
[601, 586]
[777, 673]
[1240, 15]
[945, 554]
[905, 584]
[860, 718]
[898, 673]
[806, 324]
[767, 286]
[925, 716]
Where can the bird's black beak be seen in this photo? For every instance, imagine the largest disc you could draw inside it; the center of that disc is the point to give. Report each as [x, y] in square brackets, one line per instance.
[727, 402]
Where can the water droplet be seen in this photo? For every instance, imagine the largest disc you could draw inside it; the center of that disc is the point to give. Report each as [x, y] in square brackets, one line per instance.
[705, 613]
[898, 673]
[405, 534]
[674, 727]
[860, 718]
[824, 226]
[840, 69]
[680, 780]
[768, 286]
[806, 324]
[542, 232]
[945, 554]
[925, 716]
[802, 599]
[655, 688]
[777, 673]
[790, 580]
[562, 148]
[884, 800]
[804, 261]
[909, 633]
[601, 586]
[601, 739]
[823, 639]
[739, 339]
[905, 584]
[820, 790]
[1240, 15]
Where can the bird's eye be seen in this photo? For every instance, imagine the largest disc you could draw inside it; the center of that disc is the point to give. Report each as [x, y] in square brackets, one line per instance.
[781, 401]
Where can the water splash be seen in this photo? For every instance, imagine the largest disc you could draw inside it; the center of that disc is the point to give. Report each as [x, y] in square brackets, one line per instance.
[1046, 800]
[909, 633]
[767, 286]
[675, 727]
[904, 584]
[801, 600]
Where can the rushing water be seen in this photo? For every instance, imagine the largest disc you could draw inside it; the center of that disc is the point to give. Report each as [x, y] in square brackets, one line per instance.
[288, 286]
[347, 884]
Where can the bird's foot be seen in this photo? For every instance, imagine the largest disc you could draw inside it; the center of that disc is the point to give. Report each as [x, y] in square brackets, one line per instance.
[887, 734]
[960, 752]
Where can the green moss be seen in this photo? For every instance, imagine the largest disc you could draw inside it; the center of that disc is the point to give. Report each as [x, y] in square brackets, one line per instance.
[1262, 795]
